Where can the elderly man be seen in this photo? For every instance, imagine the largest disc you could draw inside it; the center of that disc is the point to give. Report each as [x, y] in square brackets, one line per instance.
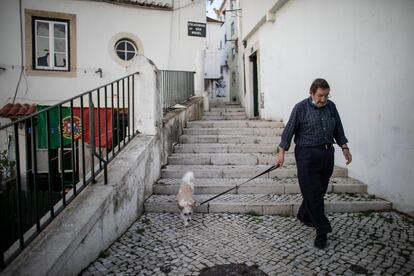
[316, 125]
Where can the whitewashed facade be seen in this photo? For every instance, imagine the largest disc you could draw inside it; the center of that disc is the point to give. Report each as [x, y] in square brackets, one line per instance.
[95, 28]
[216, 69]
[364, 50]
[230, 14]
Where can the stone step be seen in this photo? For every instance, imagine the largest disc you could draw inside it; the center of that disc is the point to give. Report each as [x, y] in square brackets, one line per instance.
[227, 109]
[234, 131]
[224, 113]
[229, 139]
[256, 186]
[241, 171]
[226, 159]
[223, 117]
[235, 124]
[225, 104]
[268, 204]
[226, 148]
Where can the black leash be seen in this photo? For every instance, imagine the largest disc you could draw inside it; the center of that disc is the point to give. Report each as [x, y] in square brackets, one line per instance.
[266, 171]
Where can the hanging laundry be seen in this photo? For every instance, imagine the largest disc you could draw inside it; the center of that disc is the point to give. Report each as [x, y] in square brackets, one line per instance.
[54, 127]
[86, 126]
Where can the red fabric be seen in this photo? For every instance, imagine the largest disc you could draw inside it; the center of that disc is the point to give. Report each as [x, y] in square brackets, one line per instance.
[87, 136]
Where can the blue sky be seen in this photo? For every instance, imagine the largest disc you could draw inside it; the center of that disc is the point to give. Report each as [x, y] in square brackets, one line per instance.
[216, 4]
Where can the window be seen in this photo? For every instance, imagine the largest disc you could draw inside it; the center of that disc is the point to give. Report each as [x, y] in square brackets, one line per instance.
[125, 49]
[233, 28]
[51, 41]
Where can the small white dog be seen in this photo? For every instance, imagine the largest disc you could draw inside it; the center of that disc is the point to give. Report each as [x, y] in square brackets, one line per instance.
[185, 200]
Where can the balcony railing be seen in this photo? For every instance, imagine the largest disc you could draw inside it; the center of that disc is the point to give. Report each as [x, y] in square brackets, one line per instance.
[55, 153]
[176, 87]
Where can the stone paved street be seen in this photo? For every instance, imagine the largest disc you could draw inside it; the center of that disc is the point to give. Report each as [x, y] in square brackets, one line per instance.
[362, 243]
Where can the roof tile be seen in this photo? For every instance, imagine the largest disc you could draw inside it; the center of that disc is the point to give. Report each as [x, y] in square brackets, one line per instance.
[17, 110]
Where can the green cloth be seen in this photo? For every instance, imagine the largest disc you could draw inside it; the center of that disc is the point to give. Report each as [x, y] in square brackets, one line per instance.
[54, 127]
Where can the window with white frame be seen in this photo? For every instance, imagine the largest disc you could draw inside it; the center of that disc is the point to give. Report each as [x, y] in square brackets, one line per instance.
[125, 49]
[233, 28]
[51, 44]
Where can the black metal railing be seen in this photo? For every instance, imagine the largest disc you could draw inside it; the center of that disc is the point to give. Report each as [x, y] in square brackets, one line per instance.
[54, 154]
[176, 87]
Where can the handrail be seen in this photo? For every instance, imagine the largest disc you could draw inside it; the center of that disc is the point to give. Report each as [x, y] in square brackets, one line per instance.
[65, 170]
[176, 87]
[62, 102]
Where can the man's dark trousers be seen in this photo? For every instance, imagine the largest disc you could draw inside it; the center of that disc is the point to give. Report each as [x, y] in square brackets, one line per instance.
[315, 167]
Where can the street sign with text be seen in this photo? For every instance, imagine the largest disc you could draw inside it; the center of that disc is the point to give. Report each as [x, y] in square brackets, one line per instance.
[196, 29]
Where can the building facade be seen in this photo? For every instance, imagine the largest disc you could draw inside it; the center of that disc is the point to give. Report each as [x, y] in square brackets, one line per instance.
[92, 42]
[364, 50]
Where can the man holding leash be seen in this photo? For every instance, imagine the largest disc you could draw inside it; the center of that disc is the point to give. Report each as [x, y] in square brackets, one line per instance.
[316, 125]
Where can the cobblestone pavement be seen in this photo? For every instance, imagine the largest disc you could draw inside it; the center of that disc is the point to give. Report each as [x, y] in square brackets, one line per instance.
[361, 243]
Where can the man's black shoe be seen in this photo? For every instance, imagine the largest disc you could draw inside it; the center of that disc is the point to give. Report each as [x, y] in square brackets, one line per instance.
[320, 241]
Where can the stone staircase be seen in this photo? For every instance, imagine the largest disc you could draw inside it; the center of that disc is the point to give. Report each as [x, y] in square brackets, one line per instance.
[224, 149]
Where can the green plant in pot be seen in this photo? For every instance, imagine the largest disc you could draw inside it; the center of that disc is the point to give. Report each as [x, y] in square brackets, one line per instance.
[7, 167]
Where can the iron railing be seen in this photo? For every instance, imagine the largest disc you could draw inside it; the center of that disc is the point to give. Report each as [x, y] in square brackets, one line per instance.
[176, 87]
[58, 151]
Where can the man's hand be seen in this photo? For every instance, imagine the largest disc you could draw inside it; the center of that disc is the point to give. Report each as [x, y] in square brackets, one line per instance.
[347, 154]
[280, 159]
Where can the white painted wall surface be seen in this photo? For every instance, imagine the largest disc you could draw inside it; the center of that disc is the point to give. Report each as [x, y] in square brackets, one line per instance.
[214, 53]
[365, 51]
[9, 48]
[184, 48]
[163, 35]
[214, 36]
[251, 13]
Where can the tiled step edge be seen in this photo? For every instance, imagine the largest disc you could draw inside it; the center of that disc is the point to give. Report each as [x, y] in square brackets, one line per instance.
[243, 171]
[274, 205]
[256, 186]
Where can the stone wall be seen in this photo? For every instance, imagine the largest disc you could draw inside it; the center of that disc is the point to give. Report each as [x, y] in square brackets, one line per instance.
[101, 213]
[174, 122]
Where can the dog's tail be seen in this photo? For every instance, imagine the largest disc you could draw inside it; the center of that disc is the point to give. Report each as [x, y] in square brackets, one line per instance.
[188, 177]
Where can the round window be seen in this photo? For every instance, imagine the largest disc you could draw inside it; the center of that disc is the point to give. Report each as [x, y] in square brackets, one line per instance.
[125, 49]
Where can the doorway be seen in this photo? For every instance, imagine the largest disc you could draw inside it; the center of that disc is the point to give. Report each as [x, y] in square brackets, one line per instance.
[253, 59]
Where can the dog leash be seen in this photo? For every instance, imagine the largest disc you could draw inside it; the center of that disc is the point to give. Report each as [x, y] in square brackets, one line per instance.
[266, 171]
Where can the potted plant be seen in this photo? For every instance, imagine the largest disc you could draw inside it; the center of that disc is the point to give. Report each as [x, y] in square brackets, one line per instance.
[7, 168]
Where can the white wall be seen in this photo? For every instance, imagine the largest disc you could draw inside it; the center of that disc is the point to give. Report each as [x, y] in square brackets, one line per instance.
[365, 51]
[214, 54]
[214, 36]
[163, 35]
[251, 13]
[9, 48]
